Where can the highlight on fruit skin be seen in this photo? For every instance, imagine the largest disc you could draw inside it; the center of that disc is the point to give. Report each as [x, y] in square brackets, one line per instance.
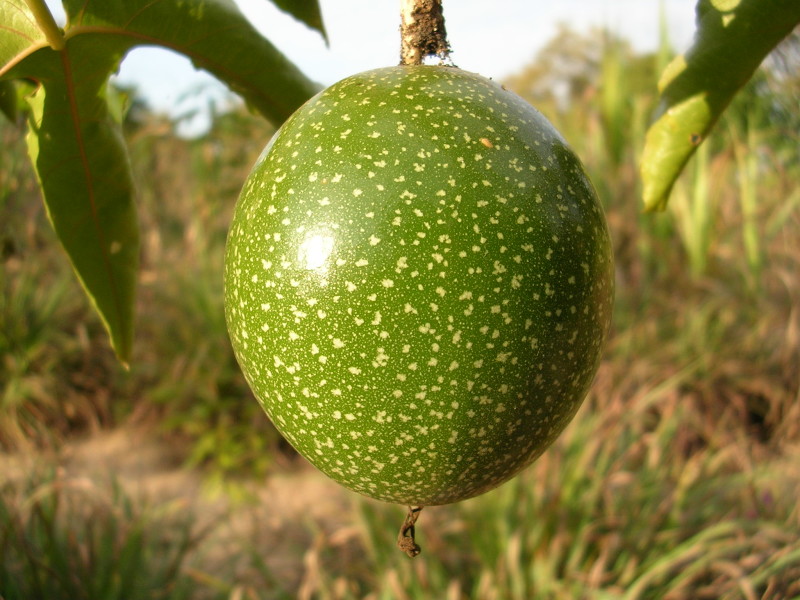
[418, 283]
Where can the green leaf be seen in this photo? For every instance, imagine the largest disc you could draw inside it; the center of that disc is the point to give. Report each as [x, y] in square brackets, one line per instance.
[19, 33]
[81, 162]
[732, 39]
[75, 141]
[306, 11]
[212, 33]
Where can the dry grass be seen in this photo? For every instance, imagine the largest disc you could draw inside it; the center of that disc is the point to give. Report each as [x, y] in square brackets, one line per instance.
[677, 479]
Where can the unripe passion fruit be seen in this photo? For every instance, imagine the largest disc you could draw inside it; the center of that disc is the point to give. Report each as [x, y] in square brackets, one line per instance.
[418, 283]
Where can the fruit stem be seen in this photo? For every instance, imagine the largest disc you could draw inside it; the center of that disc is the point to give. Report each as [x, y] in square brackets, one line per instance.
[405, 539]
[422, 31]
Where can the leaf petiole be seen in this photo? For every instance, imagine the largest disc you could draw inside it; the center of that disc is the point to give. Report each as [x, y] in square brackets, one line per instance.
[44, 18]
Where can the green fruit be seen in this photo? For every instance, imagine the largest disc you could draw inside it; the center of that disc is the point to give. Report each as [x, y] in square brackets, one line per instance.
[418, 283]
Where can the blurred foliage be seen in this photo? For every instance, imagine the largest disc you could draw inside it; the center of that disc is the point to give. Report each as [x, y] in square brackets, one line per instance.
[54, 377]
[184, 360]
[677, 479]
[57, 377]
[731, 41]
[570, 66]
[69, 539]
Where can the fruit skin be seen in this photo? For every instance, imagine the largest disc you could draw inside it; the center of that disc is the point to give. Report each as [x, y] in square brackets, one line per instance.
[418, 283]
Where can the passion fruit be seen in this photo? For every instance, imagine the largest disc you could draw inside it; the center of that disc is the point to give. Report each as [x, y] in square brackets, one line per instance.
[418, 283]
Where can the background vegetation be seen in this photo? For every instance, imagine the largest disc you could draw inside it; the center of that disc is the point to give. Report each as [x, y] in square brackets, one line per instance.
[679, 478]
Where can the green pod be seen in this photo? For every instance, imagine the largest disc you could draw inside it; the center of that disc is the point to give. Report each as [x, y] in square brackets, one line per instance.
[418, 283]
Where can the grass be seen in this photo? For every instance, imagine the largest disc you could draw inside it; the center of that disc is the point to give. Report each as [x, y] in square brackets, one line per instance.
[677, 479]
[67, 538]
[189, 373]
[632, 514]
[55, 370]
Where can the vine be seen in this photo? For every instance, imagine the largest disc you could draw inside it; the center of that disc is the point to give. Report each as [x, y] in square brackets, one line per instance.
[422, 31]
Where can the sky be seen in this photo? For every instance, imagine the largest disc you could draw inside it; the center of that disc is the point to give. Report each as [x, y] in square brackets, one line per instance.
[496, 41]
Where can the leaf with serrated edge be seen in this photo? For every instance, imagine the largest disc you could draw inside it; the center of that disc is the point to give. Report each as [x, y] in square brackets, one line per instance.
[81, 162]
[733, 37]
[212, 33]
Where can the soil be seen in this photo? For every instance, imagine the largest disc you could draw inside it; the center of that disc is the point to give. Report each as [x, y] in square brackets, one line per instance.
[274, 518]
